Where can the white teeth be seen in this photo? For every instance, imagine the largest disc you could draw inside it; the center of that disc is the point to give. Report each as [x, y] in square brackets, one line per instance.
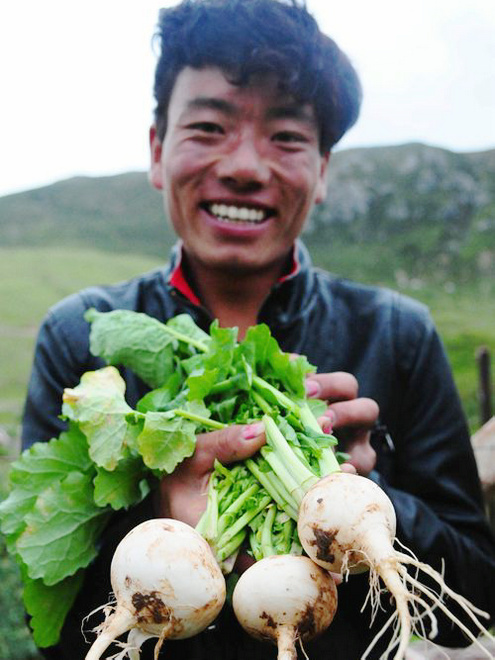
[237, 213]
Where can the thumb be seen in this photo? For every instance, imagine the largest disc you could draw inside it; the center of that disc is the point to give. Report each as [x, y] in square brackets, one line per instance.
[234, 443]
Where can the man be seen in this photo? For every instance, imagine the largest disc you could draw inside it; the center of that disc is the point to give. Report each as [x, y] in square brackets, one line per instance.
[251, 98]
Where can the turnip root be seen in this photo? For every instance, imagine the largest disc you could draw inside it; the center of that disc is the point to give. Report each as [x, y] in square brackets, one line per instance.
[166, 583]
[285, 598]
[347, 524]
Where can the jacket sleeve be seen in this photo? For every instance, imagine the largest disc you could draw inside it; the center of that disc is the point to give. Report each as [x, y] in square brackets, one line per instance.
[434, 483]
[61, 356]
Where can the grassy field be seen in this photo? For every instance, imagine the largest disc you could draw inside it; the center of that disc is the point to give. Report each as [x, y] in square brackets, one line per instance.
[30, 281]
[33, 279]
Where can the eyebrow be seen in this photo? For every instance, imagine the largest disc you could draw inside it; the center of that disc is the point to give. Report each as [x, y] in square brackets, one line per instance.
[292, 111]
[299, 112]
[211, 103]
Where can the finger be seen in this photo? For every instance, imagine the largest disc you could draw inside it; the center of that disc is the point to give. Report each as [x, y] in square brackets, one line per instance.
[234, 443]
[326, 423]
[361, 412]
[362, 454]
[335, 386]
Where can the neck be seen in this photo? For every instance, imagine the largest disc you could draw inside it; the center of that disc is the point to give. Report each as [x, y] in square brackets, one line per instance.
[234, 298]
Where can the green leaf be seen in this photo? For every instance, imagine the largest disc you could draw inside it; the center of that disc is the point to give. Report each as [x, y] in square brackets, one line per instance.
[224, 410]
[272, 363]
[164, 443]
[135, 340]
[160, 398]
[318, 407]
[37, 468]
[122, 487]
[48, 606]
[200, 385]
[61, 530]
[13, 510]
[98, 405]
[257, 345]
[51, 460]
[221, 349]
[291, 371]
[184, 324]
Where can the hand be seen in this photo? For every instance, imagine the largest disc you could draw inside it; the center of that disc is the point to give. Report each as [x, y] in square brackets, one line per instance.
[352, 417]
[183, 494]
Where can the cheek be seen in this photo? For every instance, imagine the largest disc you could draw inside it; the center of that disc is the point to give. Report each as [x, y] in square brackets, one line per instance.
[301, 179]
[186, 170]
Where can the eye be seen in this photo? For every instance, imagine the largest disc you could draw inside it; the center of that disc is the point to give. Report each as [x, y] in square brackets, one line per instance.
[290, 137]
[206, 127]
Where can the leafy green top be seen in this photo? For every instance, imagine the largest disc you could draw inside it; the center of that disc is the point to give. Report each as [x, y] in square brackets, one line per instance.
[63, 492]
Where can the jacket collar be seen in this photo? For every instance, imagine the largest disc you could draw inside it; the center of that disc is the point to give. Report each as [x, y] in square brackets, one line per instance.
[288, 300]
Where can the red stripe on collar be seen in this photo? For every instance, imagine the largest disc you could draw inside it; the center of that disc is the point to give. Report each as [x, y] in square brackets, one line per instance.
[178, 279]
[295, 266]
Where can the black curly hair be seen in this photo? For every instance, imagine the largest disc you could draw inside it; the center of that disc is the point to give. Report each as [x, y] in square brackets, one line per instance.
[245, 37]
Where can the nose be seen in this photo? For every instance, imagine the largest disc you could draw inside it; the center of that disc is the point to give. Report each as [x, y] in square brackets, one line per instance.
[244, 166]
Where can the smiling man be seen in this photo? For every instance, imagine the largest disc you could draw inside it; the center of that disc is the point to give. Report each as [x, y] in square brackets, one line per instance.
[240, 168]
[251, 98]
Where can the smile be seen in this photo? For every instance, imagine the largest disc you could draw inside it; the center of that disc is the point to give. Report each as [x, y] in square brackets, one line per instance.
[231, 213]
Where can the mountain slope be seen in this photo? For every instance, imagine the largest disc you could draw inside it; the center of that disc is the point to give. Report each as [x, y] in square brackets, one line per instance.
[425, 212]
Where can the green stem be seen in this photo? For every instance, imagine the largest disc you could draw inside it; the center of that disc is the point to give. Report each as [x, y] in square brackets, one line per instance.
[236, 506]
[261, 402]
[204, 421]
[328, 462]
[186, 339]
[232, 546]
[293, 486]
[227, 384]
[242, 522]
[303, 477]
[280, 397]
[308, 419]
[208, 523]
[273, 485]
[266, 532]
[288, 534]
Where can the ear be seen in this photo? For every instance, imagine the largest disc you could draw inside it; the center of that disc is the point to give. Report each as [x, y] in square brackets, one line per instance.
[321, 187]
[155, 174]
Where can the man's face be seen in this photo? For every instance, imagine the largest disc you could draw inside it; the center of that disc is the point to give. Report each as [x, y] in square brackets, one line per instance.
[240, 170]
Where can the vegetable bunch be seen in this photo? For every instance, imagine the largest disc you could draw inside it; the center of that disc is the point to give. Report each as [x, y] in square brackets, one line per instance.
[63, 492]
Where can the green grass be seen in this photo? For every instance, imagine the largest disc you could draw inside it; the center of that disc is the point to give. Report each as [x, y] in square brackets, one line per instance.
[33, 279]
[465, 320]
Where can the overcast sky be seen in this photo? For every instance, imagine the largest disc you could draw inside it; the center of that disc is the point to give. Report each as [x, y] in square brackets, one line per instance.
[76, 79]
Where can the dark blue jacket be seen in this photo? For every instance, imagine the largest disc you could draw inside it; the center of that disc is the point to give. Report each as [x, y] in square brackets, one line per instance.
[425, 461]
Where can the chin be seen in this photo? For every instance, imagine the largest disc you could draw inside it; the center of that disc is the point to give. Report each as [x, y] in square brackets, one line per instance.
[237, 266]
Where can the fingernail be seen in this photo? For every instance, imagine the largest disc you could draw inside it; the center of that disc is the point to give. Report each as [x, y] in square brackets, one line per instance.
[312, 388]
[326, 424]
[253, 430]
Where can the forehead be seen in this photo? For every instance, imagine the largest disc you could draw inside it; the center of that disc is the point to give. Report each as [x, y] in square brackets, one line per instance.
[210, 87]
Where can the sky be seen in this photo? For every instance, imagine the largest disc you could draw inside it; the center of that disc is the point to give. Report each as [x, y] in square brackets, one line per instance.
[76, 80]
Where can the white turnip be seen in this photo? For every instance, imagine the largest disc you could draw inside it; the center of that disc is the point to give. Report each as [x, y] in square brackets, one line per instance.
[347, 524]
[166, 583]
[283, 599]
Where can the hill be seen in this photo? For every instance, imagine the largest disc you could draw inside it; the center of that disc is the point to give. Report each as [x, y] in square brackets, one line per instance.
[119, 214]
[411, 216]
[427, 212]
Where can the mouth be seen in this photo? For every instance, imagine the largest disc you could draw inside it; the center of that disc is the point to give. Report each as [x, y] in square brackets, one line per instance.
[240, 214]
